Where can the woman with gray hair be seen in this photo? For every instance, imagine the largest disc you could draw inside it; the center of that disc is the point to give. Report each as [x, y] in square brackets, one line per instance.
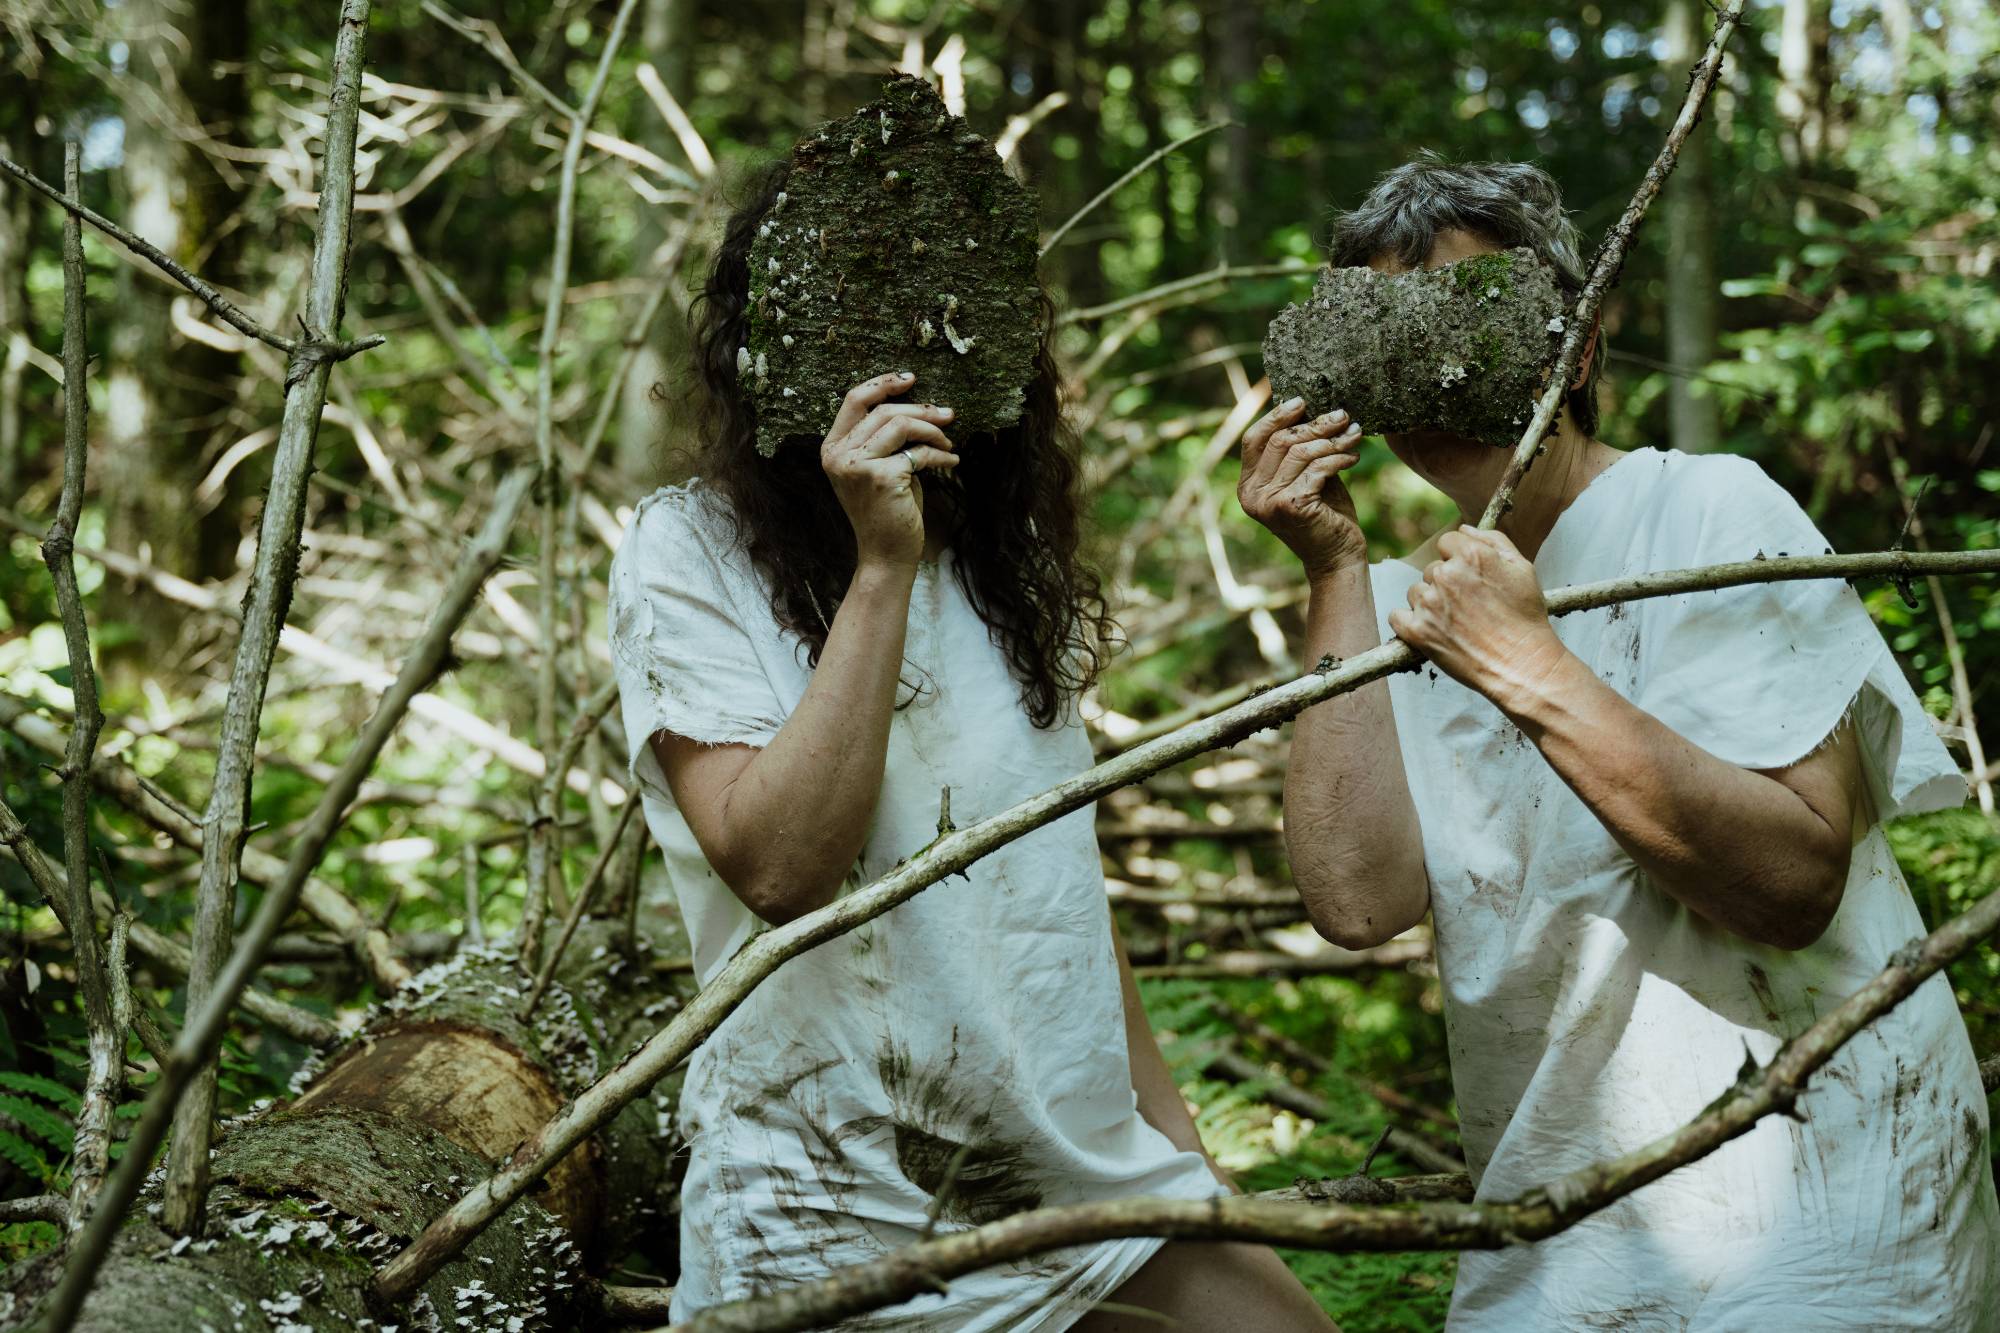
[1649, 838]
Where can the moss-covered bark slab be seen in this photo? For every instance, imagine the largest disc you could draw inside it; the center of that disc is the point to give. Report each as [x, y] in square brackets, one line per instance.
[900, 243]
[1465, 348]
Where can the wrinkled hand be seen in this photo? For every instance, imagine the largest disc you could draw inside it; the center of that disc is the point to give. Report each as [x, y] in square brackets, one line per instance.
[873, 454]
[1478, 614]
[1291, 484]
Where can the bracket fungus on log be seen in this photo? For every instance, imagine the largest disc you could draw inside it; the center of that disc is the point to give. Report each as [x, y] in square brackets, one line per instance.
[1464, 347]
[899, 243]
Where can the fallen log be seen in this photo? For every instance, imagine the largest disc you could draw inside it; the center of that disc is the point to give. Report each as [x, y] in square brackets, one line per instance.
[437, 1087]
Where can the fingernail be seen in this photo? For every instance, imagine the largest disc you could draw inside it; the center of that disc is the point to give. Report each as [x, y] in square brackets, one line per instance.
[1293, 404]
[904, 375]
[945, 411]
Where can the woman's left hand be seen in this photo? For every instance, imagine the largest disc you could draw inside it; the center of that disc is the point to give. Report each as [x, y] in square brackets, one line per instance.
[1478, 614]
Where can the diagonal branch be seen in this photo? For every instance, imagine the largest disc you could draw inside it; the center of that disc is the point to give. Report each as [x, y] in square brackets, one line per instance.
[50, 882]
[1582, 323]
[310, 348]
[1536, 1214]
[201, 1036]
[1056, 236]
[757, 960]
[116, 779]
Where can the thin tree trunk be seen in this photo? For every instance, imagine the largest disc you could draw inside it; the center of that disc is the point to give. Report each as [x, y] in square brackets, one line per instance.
[226, 820]
[666, 34]
[17, 117]
[1232, 32]
[1689, 209]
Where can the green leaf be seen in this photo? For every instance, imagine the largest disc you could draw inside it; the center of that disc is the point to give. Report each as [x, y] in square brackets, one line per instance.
[40, 1120]
[1820, 254]
[46, 1088]
[24, 1155]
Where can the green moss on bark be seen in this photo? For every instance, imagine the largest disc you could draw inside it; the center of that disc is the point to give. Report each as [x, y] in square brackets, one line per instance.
[900, 243]
[1465, 348]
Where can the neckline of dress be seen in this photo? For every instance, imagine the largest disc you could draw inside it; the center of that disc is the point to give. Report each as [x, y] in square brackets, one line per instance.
[1595, 487]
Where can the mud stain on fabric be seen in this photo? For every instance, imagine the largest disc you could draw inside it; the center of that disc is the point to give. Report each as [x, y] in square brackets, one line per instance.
[948, 1144]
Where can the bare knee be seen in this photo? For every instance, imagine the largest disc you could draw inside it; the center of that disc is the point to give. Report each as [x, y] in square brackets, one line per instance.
[1205, 1285]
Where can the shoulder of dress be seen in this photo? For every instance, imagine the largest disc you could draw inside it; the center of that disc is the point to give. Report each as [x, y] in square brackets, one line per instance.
[688, 513]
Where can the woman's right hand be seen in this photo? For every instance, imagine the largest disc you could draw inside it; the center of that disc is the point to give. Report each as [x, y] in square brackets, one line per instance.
[873, 454]
[1291, 484]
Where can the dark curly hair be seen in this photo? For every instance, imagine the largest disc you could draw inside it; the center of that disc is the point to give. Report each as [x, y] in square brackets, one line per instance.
[1012, 501]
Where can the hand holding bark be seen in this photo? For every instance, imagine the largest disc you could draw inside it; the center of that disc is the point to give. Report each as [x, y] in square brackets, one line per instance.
[873, 454]
[1291, 484]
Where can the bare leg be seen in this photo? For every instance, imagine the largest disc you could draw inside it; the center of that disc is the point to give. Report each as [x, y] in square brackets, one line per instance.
[1210, 1286]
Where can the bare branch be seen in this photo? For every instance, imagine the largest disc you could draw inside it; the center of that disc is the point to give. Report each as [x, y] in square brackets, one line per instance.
[579, 908]
[541, 832]
[36, 1208]
[544, 842]
[52, 884]
[1582, 322]
[1056, 236]
[310, 349]
[762, 956]
[264, 609]
[1183, 286]
[104, 1078]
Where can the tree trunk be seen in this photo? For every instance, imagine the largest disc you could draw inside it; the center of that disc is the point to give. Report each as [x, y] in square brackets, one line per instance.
[1232, 40]
[168, 396]
[439, 1085]
[666, 28]
[1689, 205]
[17, 134]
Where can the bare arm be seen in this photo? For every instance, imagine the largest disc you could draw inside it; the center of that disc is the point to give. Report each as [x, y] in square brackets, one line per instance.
[784, 824]
[1160, 1101]
[1762, 854]
[1351, 829]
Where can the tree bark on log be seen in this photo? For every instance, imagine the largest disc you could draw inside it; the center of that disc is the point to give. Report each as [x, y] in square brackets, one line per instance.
[436, 1088]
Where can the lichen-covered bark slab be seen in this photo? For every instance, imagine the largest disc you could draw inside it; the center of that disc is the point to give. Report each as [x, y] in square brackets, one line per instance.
[900, 243]
[1465, 347]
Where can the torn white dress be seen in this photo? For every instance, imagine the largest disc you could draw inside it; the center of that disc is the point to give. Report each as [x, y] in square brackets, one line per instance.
[1590, 1013]
[825, 1116]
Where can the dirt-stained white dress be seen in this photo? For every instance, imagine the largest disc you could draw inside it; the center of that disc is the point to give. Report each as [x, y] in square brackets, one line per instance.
[1590, 1013]
[962, 1055]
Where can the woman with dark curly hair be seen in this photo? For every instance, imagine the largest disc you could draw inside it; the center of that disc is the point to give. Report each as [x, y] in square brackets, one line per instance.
[810, 647]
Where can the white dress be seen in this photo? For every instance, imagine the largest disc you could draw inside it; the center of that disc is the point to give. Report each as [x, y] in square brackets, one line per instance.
[1589, 1013]
[824, 1116]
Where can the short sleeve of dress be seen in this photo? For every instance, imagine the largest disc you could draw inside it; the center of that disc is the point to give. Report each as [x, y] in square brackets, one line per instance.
[684, 631]
[1762, 674]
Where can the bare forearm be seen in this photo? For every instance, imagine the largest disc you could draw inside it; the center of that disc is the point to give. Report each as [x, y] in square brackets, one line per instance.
[796, 817]
[1740, 848]
[1351, 828]
[1159, 1097]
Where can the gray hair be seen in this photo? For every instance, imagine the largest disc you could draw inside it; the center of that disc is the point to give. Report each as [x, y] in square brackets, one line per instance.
[1508, 203]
